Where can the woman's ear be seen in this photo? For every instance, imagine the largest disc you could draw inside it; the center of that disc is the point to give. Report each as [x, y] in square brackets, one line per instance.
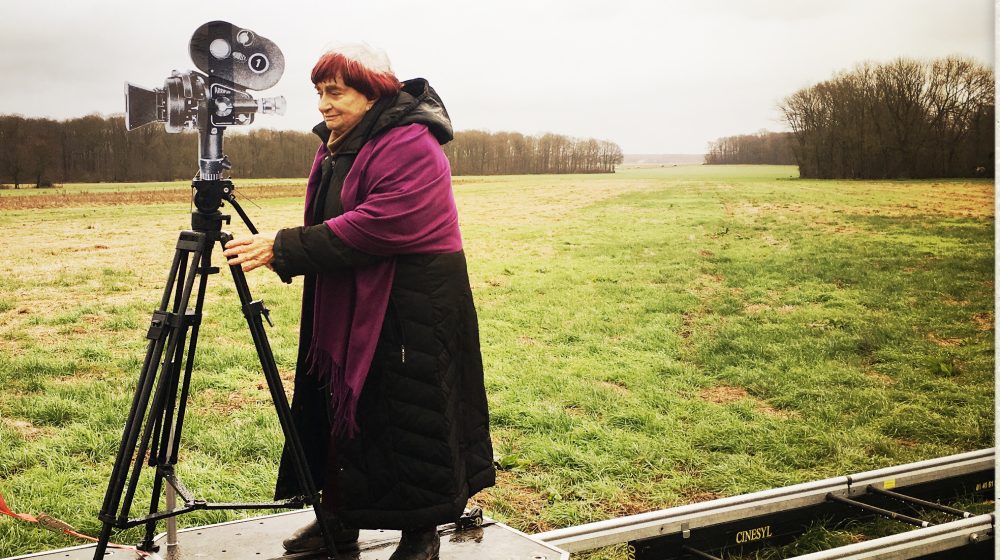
[371, 103]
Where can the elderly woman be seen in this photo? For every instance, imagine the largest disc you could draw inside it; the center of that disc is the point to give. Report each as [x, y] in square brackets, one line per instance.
[389, 397]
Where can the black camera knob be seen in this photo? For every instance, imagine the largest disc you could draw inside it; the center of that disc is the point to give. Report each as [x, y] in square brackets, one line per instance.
[258, 63]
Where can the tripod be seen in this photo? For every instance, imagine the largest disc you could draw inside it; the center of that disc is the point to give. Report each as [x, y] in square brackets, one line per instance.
[152, 433]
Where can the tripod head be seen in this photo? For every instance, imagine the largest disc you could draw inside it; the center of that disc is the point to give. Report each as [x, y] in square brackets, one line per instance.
[233, 60]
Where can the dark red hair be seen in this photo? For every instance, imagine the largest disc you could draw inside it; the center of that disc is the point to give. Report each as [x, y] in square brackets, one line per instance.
[370, 83]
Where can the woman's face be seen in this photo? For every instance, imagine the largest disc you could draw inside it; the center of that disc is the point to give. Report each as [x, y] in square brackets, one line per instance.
[341, 105]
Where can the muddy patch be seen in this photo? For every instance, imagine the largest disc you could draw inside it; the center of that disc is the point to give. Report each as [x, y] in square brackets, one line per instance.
[879, 378]
[24, 428]
[944, 342]
[726, 394]
[984, 321]
[511, 495]
[617, 387]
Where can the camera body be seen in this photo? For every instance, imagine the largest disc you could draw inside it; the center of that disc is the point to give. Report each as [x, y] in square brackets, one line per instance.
[232, 60]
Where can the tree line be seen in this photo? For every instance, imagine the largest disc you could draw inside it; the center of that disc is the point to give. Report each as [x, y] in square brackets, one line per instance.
[476, 152]
[902, 119]
[92, 149]
[764, 147]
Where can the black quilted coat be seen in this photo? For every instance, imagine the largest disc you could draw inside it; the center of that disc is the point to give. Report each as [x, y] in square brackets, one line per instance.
[424, 445]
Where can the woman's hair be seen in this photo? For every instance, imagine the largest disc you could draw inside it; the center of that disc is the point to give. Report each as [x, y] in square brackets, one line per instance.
[360, 67]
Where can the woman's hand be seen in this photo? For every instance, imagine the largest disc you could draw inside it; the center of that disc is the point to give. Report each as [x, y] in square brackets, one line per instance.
[251, 251]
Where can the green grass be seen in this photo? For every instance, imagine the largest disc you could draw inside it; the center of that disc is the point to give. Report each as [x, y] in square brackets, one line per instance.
[651, 338]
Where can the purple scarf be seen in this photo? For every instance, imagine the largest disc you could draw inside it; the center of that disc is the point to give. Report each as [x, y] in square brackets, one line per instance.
[397, 201]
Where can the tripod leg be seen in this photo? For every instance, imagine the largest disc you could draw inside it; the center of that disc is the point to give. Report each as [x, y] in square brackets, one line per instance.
[165, 455]
[176, 358]
[253, 310]
[195, 323]
[161, 331]
[163, 382]
[130, 433]
[163, 431]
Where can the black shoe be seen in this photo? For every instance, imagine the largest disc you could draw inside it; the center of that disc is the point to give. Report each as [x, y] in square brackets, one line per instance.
[418, 544]
[310, 537]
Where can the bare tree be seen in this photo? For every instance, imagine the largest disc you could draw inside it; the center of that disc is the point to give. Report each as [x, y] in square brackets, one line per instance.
[903, 119]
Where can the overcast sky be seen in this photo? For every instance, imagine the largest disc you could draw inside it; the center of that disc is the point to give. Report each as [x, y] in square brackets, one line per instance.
[653, 76]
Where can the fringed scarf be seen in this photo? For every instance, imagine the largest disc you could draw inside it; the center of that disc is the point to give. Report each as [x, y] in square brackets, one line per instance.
[397, 200]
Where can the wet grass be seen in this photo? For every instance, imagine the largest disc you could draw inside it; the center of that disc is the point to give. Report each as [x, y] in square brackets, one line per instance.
[651, 338]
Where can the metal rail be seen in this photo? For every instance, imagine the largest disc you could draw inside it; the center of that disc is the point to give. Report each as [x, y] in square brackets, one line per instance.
[914, 544]
[879, 511]
[917, 501]
[683, 519]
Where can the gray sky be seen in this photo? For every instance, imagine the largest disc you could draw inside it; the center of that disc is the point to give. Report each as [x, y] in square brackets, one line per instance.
[655, 77]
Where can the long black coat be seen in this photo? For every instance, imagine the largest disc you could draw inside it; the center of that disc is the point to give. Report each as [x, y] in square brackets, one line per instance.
[424, 446]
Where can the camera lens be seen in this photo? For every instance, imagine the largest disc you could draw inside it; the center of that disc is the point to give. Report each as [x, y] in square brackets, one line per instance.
[220, 48]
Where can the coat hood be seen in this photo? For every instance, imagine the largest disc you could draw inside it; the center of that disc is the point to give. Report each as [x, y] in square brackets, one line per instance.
[416, 103]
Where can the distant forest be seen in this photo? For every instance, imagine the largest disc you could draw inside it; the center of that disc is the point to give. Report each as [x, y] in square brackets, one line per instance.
[773, 148]
[92, 149]
[474, 152]
[903, 119]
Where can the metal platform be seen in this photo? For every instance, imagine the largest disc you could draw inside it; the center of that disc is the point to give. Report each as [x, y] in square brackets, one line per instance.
[260, 537]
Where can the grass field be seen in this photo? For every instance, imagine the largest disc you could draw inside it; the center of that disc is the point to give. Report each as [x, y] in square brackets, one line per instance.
[75, 189]
[652, 338]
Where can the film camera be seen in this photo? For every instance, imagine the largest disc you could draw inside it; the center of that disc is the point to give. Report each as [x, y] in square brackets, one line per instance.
[233, 60]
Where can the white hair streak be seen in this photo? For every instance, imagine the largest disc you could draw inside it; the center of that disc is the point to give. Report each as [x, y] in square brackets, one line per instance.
[364, 54]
